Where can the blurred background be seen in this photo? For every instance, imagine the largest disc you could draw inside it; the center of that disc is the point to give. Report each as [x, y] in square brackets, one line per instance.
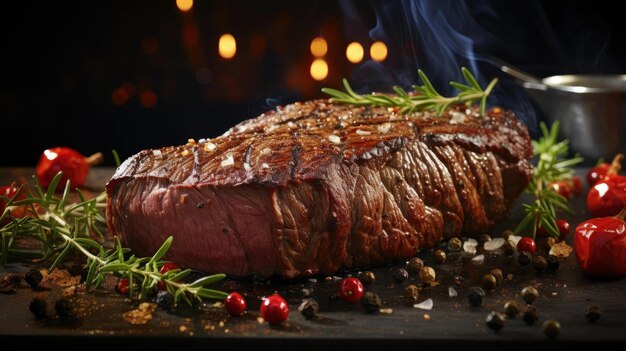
[130, 75]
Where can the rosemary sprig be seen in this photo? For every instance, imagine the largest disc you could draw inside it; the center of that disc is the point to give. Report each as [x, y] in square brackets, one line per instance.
[424, 97]
[552, 166]
[57, 227]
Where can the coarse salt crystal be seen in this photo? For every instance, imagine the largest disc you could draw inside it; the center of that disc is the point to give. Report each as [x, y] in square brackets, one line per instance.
[157, 153]
[479, 259]
[334, 139]
[452, 292]
[363, 132]
[202, 141]
[514, 239]
[494, 244]
[424, 305]
[266, 151]
[228, 161]
[265, 166]
[384, 128]
[457, 118]
[469, 246]
[210, 146]
[246, 166]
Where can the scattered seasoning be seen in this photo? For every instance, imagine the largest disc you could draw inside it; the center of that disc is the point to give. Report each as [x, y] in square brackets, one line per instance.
[141, 315]
[511, 308]
[524, 258]
[526, 244]
[371, 302]
[334, 139]
[475, 296]
[351, 290]
[478, 259]
[400, 275]
[483, 238]
[9, 283]
[550, 241]
[539, 263]
[386, 310]
[426, 316]
[593, 313]
[509, 248]
[367, 278]
[439, 256]
[452, 292]
[497, 273]
[64, 308]
[495, 320]
[469, 246]
[411, 293]
[235, 304]
[427, 275]
[506, 234]
[38, 307]
[164, 299]
[309, 308]
[415, 265]
[553, 263]
[551, 328]
[455, 244]
[529, 314]
[529, 294]
[561, 249]
[494, 244]
[33, 277]
[425, 305]
[489, 282]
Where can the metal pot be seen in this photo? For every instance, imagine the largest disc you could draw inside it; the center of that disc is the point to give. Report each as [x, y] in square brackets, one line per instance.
[591, 108]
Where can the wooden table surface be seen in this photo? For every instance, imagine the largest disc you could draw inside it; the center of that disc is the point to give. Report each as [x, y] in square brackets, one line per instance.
[564, 296]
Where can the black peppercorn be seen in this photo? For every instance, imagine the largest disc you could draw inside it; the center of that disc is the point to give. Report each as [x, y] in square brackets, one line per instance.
[496, 272]
[593, 313]
[38, 307]
[511, 308]
[439, 256]
[506, 234]
[529, 314]
[495, 320]
[551, 328]
[553, 263]
[63, 307]
[455, 244]
[539, 263]
[489, 282]
[33, 277]
[411, 293]
[309, 308]
[371, 302]
[414, 265]
[483, 238]
[509, 248]
[475, 296]
[529, 294]
[400, 275]
[524, 258]
[367, 278]
[164, 299]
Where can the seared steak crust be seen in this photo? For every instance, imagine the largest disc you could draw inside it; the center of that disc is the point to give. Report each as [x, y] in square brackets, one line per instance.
[316, 187]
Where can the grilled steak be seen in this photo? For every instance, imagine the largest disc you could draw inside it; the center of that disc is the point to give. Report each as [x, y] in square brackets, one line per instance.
[316, 187]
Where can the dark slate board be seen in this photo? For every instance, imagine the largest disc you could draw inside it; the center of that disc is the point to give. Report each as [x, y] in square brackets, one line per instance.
[564, 296]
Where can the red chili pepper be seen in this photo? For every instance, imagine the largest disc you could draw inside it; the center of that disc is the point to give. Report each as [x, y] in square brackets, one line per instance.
[600, 245]
[597, 173]
[608, 196]
[73, 164]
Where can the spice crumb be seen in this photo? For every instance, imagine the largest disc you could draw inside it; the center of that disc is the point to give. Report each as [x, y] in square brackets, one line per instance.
[260, 320]
[386, 310]
[426, 316]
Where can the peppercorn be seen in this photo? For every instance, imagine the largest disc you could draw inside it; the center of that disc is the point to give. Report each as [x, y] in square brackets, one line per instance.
[371, 302]
[77, 269]
[309, 308]
[593, 313]
[63, 307]
[550, 241]
[33, 277]
[164, 299]
[553, 263]
[38, 307]
[551, 328]
[367, 278]
[539, 263]
[455, 244]
[427, 275]
[497, 272]
[475, 296]
[511, 308]
[489, 282]
[495, 320]
[411, 293]
[529, 294]
[524, 258]
[483, 238]
[439, 256]
[509, 248]
[400, 275]
[506, 234]
[414, 265]
[529, 314]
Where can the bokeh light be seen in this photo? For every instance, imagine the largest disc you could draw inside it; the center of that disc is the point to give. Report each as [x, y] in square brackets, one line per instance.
[319, 69]
[354, 52]
[378, 51]
[319, 47]
[227, 46]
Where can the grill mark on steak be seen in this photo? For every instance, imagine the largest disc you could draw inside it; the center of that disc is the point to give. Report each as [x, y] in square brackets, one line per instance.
[296, 204]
